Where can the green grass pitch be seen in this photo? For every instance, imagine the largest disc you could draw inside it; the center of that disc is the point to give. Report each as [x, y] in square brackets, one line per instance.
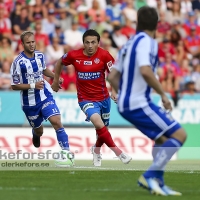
[84, 182]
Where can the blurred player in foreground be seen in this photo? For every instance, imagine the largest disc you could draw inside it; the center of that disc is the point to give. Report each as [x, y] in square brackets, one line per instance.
[38, 104]
[90, 64]
[133, 77]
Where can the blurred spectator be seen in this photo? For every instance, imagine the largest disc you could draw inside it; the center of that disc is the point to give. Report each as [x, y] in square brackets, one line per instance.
[170, 77]
[65, 20]
[58, 33]
[102, 3]
[69, 76]
[6, 52]
[192, 42]
[83, 18]
[114, 12]
[180, 52]
[161, 6]
[104, 36]
[189, 88]
[5, 76]
[54, 51]
[73, 37]
[21, 23]
[118, 38]
[38, 9]
[164, 48]
[178, 27]
[16, 12]
[175, 37]
[163, 27]
[49, 23]
[42, 39]
[129, 11]
[107, 45]
[186, 6]
[128, 29]
[191, 21]
[5, 23]
[174, 14]
[96, 13]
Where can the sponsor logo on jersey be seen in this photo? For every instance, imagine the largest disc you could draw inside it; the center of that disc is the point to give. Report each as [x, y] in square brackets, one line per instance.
[87, 106]
[106, 115]
[110, 64]
[78, 61]
[88, 75]
[96, 60]
[33, 75]
[32, 61]
[16, 78]
[87, 62]
[39, 56]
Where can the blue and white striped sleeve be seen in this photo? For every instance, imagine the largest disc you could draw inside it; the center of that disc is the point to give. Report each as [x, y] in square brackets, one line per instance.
[15, 73]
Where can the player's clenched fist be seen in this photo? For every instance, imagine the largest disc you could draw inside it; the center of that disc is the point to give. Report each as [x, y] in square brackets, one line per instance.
[55, 86]
[39, 85]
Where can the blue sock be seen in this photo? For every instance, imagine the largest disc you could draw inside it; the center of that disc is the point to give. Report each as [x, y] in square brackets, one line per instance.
[34, 135]
[167, 150]
[62, 138]
[155, 150]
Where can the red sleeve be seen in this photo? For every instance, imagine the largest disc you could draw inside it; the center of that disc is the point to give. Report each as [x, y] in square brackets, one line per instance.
[109, 60]
[67, 59]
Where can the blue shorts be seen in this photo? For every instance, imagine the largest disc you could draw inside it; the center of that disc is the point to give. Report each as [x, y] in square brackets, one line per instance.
[40, 112]
[152, 121]
[101, 107]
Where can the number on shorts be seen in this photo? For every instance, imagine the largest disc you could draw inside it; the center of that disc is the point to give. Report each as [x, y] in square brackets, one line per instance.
[54, 110]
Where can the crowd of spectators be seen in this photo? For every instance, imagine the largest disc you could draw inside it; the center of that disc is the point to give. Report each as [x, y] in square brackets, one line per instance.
[59, 26]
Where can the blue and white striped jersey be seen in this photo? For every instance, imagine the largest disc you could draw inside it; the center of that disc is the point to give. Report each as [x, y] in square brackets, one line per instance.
[134, 92]
[26, 70]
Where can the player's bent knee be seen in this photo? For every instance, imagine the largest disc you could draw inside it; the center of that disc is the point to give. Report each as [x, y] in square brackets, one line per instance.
[180, 135]
[97, 121]
[39, 132]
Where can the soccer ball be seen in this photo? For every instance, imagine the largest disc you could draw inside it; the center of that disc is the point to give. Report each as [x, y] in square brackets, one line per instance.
[66, 159]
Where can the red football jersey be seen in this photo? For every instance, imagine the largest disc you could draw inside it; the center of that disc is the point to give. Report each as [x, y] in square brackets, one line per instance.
[90, 73]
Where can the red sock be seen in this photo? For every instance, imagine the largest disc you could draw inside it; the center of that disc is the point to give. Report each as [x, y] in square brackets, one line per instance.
[105, 137]
[98, 146]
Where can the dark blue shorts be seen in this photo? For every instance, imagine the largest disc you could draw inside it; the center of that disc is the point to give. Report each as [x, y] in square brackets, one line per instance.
[152, 121]
[40, 112]
[101, 107]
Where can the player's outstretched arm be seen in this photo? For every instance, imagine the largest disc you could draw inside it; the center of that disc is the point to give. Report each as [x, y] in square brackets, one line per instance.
[114, 78]
[150, 78]
[47, 72]
[38, 85]
[58, 68]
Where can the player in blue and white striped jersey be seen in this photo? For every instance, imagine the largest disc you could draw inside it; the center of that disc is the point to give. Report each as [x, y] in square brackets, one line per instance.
[133, 77]
[37, 101]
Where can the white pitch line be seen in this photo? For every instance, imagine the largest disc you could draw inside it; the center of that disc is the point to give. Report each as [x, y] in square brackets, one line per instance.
[124, 169]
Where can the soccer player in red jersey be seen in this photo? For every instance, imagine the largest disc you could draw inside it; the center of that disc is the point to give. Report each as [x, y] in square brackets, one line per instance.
[90, 63]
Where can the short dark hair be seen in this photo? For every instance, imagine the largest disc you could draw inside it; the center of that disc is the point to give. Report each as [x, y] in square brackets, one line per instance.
[91, 32]
[24, 34]
[147, 19]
